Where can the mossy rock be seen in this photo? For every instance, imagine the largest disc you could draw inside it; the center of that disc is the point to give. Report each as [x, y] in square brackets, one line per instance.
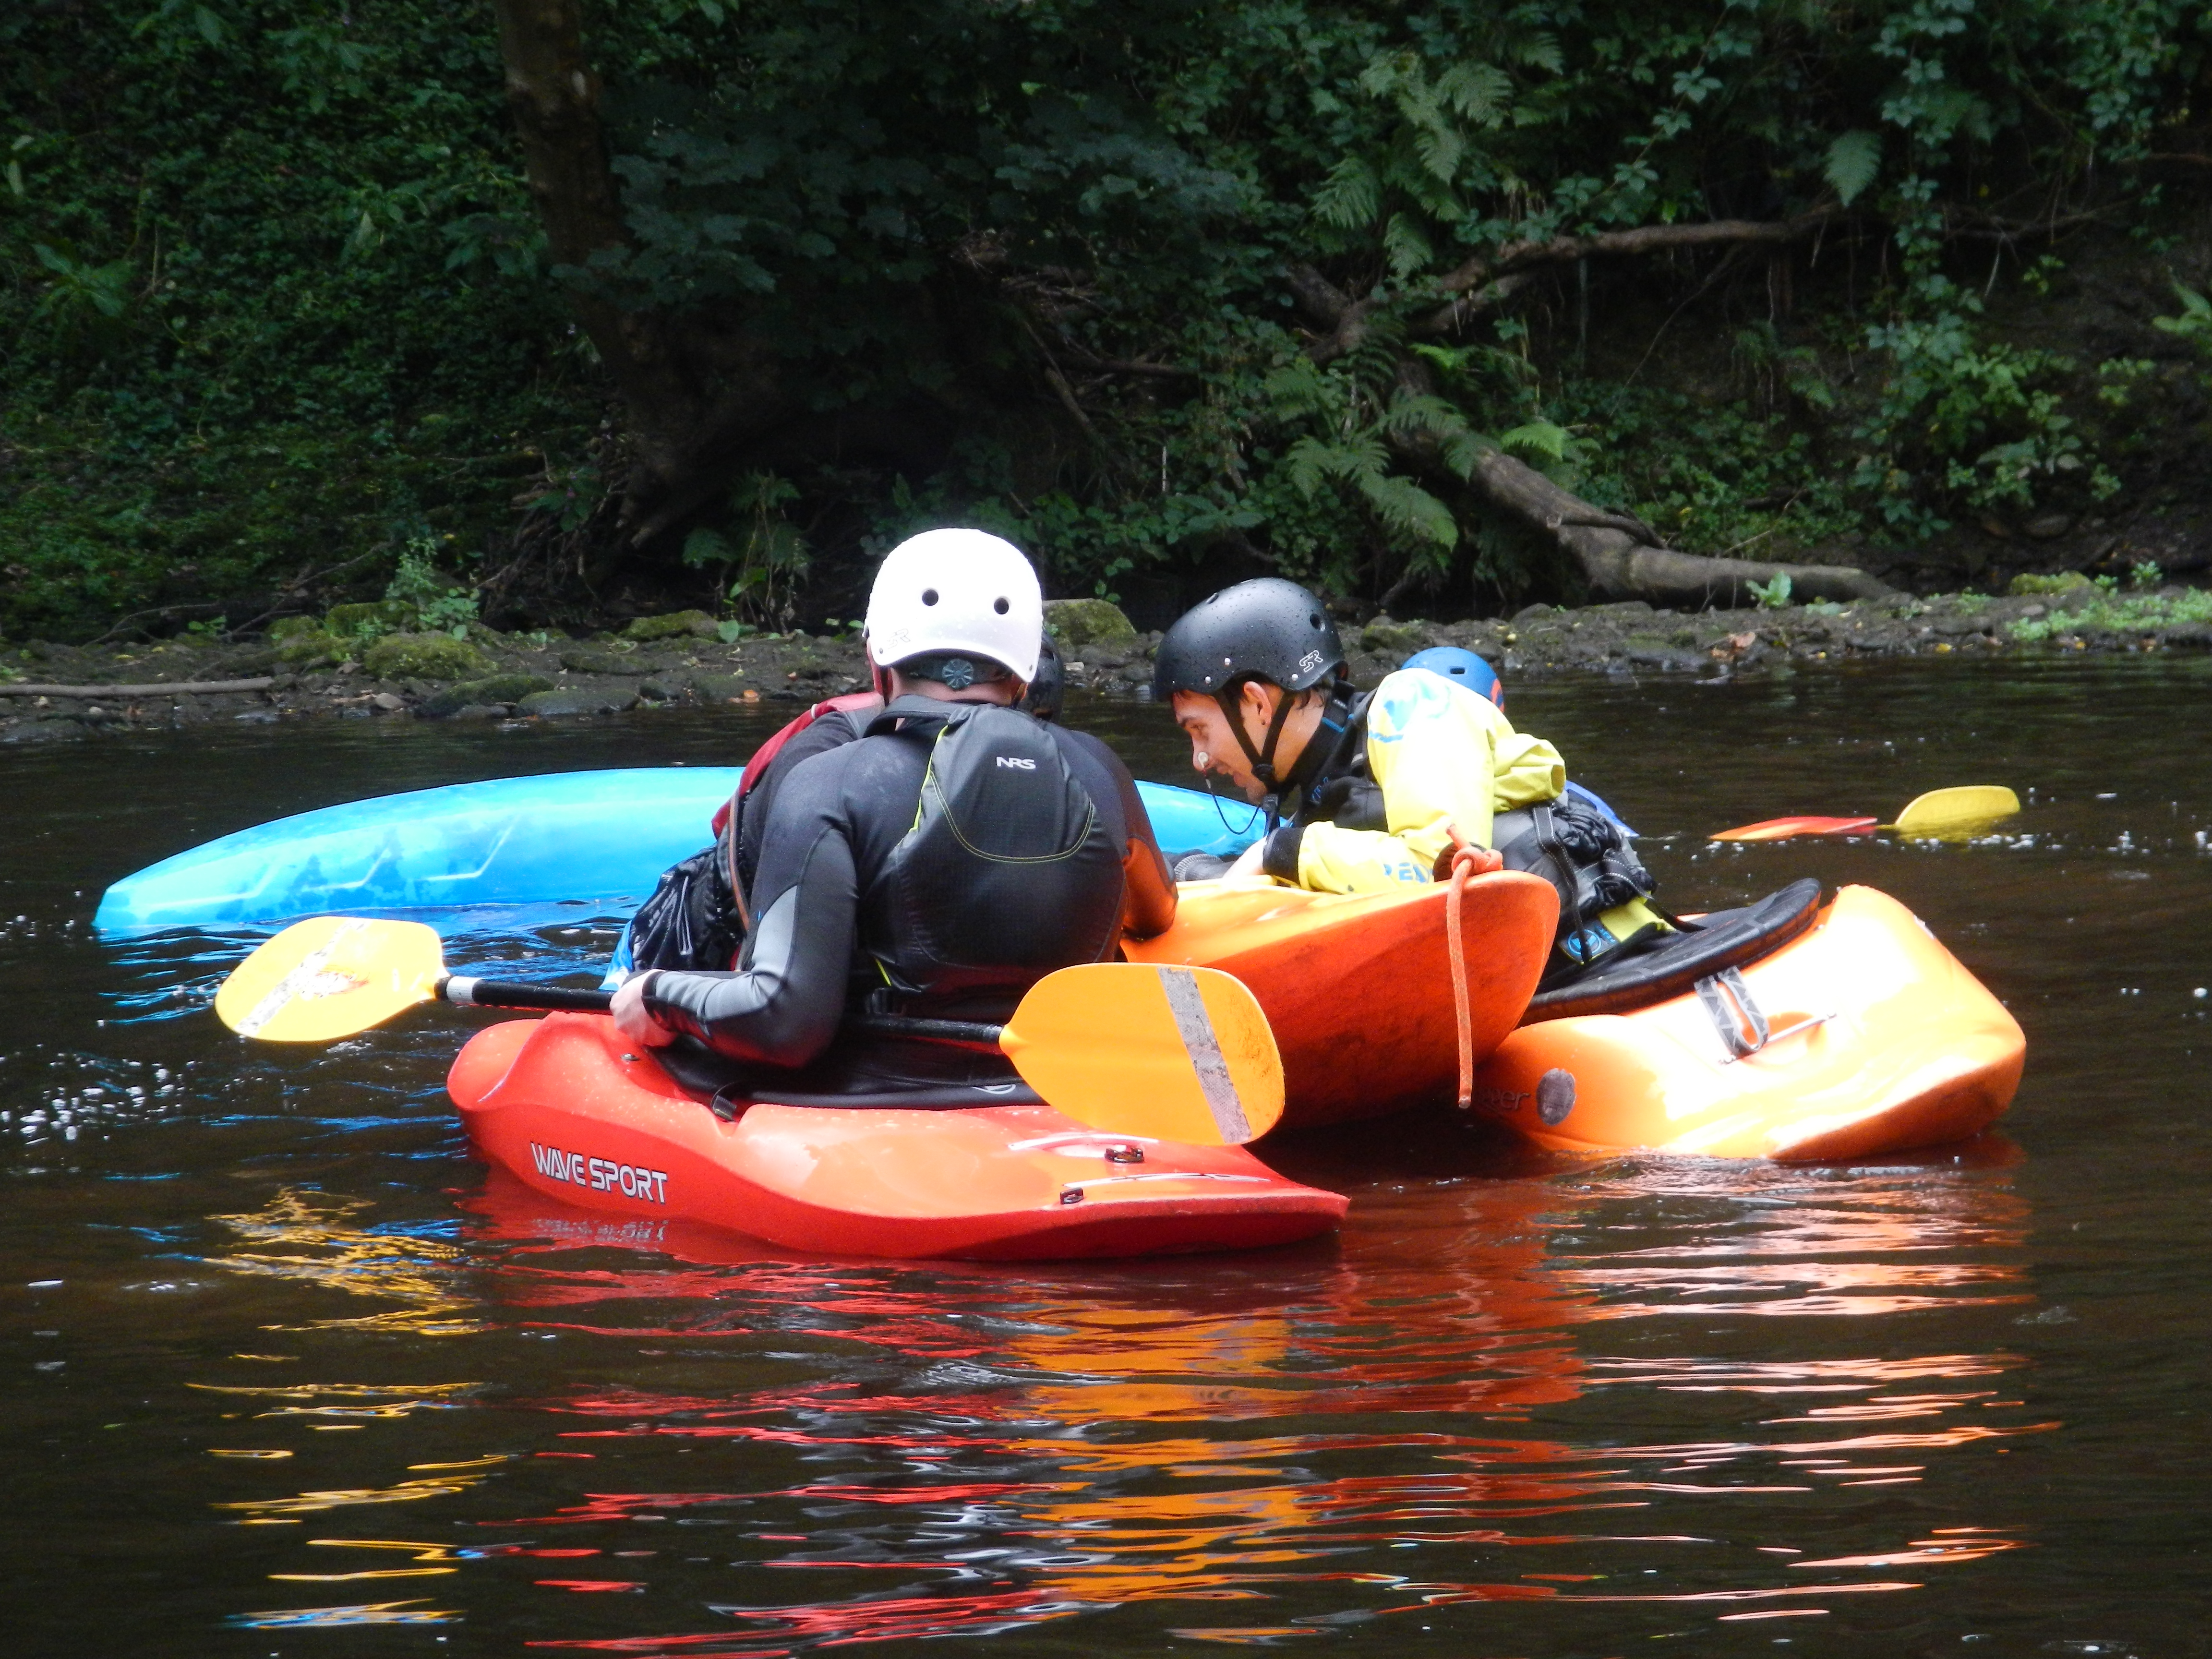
[2064, 582]
[1079, 625]
[243, 665]
[289, 628]
[588, 659]
[425, 656]
[500, 688]
[381, 617]
[309, 647]
[675, 625]
[1394, 639]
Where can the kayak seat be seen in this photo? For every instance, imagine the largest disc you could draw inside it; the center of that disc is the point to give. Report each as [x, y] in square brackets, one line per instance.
[1668, 965]
[725, 1085]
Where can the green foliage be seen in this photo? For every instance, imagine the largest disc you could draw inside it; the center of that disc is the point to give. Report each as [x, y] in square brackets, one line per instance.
[1774, 594]
[1985, 421]
[216, 381]
[434, 602]
[763, 559]
[2138, 614]
[275, 300]
[2028, 583]
[1853, 161]
[2194, 324]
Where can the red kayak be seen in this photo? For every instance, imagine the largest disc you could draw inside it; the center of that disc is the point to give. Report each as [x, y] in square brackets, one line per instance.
[567, 1106]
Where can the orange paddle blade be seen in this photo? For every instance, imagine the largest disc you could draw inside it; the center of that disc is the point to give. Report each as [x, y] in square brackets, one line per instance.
[1784, 829]
[1177, 1054]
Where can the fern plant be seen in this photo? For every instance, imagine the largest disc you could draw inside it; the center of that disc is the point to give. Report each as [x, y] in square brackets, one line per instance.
[1360, 428]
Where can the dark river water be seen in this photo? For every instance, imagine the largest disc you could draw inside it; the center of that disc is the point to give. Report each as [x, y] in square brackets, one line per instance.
[282, 1373]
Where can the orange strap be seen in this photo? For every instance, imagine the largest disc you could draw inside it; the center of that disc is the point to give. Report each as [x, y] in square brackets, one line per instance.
[1469, 860]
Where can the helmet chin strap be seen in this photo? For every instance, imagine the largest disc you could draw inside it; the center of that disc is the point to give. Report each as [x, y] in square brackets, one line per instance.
[1262, 756]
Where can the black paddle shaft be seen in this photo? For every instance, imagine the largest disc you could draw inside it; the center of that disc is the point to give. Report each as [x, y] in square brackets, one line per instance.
[468, 993]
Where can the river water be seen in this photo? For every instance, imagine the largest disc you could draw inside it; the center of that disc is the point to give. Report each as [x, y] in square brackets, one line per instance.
[283, 1373]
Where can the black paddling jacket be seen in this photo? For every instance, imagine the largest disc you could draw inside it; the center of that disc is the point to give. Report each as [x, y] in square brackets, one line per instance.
[936, 867]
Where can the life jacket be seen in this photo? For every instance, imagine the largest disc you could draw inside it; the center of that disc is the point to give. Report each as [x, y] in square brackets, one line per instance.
[1590, 862]
[1006, 874]
[853, 702]
[1573, 842]
[697, 916]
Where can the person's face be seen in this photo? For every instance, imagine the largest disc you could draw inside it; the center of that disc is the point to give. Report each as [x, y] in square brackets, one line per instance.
[1213, 747]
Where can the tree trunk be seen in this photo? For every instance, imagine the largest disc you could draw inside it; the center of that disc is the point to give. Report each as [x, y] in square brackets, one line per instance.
[1619, 564]
[697, 392]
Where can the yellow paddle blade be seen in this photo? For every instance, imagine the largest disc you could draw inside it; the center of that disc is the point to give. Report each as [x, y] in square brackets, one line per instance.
[1957, 811]
[331, 977]
[1176, 1054]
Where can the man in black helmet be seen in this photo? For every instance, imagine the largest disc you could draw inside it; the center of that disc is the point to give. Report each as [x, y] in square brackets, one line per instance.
[1367, 792]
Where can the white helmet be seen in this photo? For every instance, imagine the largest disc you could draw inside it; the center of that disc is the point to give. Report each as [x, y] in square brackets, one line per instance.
[958, 591]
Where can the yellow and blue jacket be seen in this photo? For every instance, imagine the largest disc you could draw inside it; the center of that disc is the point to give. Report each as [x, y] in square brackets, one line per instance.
[1395, 772]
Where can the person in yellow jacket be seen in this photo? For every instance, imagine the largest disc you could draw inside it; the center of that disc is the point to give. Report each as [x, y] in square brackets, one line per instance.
[1365, 792]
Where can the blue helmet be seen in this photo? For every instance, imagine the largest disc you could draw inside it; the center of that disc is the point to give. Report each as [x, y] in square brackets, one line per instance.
[1456, 664]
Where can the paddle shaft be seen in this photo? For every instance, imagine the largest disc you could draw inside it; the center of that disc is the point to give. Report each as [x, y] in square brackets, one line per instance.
[467, 993]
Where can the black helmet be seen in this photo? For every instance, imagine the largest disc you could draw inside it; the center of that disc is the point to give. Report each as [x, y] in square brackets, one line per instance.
[1047, 686]
[1264, 629]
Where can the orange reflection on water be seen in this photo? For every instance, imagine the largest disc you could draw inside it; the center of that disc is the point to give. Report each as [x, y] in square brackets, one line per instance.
[1056, 1440]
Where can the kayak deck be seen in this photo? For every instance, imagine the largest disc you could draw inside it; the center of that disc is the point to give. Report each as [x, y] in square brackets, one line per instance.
[1358, 986]
[1881, 1042]
[566, 1105]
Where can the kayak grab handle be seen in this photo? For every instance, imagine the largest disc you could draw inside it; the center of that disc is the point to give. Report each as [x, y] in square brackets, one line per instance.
[1728, 1000]
[464, 992]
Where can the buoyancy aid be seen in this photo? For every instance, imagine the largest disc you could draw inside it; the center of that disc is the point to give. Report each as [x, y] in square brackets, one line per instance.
[1009, 870]
[1604, 889]
[1389, 782]
[697, 915]
[864, 704]
[851, 713]
[1583, 851]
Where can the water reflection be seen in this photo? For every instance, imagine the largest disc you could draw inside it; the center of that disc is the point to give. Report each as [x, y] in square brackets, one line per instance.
[309, 1240]
[1464, 1404]
[1524, 1405]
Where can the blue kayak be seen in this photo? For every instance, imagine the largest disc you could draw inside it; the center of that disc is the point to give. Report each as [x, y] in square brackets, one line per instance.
[596, 838]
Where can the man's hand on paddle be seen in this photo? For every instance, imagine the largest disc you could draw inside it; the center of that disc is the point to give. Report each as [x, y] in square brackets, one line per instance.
[631, 1018]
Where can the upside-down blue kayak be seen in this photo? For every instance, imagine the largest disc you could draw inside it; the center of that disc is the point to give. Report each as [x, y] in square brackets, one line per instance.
[596, 838]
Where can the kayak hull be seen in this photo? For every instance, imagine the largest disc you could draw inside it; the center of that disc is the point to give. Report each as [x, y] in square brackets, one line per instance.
[599, 839]
[1358, 986]
[568, 1108]
[1897, 1046]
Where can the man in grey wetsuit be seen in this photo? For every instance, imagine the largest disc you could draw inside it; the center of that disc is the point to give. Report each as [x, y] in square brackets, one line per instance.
[938, 866]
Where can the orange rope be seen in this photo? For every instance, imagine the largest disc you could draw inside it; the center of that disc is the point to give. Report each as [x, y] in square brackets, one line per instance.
[1468, 860]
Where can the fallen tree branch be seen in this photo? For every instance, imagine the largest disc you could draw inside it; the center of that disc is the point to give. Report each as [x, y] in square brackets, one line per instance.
[1643, 238]
[1620, 563]
[169, 688]
[1619, 554]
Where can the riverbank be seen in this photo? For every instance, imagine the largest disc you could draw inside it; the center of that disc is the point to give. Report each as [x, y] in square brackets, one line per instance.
[53, 691]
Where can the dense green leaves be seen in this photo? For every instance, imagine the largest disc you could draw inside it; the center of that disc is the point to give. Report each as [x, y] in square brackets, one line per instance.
[275, 301]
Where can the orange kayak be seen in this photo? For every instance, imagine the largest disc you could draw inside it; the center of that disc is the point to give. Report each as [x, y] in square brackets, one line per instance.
[566, 1105]
[1358, 988]
[1876, 1040]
